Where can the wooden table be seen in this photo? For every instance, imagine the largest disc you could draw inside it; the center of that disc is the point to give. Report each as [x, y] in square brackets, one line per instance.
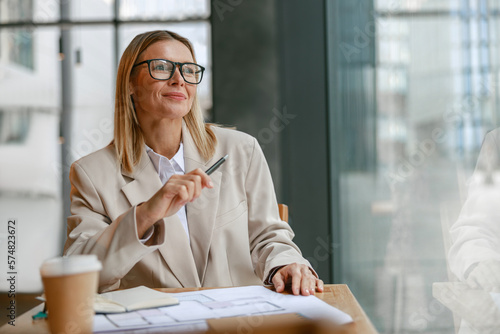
[337, 295]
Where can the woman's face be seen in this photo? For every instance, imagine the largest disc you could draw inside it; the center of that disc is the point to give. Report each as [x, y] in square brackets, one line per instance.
[155, 100]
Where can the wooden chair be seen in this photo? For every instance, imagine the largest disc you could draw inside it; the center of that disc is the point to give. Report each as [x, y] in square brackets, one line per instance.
[283, 209]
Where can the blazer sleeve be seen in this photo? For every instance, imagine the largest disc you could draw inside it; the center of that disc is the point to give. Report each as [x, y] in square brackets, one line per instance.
[271, 242]
[92, 231]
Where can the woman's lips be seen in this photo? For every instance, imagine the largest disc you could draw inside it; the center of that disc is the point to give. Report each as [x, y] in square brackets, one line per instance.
[175, 96]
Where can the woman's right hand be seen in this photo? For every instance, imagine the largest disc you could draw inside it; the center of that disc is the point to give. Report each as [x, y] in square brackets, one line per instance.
[179, 190]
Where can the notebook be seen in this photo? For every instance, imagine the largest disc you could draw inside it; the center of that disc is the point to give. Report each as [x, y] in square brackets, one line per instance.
[137, 298]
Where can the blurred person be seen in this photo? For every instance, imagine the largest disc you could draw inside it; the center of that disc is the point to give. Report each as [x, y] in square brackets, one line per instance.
[147, 209]
[474, 256]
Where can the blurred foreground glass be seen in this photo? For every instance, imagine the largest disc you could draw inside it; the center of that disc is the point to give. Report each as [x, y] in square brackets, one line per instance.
[419, 88]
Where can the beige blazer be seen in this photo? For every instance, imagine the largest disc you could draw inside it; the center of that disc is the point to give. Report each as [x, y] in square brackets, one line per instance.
[236, 234]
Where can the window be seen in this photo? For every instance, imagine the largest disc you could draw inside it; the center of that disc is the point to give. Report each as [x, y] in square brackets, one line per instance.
[34, 126]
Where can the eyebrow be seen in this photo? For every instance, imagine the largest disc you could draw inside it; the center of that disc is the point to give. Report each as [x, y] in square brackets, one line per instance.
[185, 61]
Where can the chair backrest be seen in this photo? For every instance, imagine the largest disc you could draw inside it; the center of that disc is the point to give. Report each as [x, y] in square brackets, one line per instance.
[283, 209]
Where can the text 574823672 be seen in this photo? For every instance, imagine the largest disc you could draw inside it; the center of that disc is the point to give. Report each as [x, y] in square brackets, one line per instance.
[11, 270]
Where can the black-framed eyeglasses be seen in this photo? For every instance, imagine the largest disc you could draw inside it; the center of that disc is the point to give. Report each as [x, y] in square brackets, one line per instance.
[163, 69]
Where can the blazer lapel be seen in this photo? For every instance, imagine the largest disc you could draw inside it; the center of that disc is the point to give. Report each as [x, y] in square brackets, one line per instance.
[201, 213]
[145, 183]
[177, 253]
[176, 250]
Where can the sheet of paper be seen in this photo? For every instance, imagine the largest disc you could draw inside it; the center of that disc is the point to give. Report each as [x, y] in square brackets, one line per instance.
[197, 306]
[308, 306]
[161, 324]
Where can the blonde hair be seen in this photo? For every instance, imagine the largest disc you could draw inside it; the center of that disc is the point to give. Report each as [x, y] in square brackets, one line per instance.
[128, 138]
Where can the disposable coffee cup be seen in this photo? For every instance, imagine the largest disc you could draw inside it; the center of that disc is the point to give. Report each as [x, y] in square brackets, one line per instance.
[70, 285]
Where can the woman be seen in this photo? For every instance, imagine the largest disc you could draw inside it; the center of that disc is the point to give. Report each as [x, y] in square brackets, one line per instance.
[144, 204]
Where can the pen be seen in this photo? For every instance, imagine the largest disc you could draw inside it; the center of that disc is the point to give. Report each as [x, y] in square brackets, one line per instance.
[216, 165]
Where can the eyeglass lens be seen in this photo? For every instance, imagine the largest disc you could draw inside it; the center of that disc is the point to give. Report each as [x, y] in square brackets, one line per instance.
[163, 70]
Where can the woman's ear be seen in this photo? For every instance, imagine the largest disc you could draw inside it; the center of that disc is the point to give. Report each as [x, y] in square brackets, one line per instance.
[131, 89]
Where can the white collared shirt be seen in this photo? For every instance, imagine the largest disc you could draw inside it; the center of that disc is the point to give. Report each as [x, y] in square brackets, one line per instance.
[166, 168]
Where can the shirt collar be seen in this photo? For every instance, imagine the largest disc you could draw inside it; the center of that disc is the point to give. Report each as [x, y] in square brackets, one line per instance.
[178, 158]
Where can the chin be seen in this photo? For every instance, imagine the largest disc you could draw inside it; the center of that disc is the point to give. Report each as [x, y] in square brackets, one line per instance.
[176, 113]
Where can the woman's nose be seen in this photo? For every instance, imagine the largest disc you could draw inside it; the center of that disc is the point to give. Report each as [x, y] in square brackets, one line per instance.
[177, 77]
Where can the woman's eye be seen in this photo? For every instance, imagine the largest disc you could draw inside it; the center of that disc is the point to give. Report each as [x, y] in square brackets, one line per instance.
[160, 68]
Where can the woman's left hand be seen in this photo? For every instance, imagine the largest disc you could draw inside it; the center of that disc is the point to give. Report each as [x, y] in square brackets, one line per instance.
[302, 278]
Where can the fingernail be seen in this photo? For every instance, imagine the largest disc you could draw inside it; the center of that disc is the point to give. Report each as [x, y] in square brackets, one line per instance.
[307, 292]
[210, 184]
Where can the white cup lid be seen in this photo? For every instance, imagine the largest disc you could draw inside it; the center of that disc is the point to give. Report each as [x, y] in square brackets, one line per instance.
[69, 265]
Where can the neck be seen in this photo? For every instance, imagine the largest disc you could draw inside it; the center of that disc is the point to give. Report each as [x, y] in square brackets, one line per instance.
[164, 137]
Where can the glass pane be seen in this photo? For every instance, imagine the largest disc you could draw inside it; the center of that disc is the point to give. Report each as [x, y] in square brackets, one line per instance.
[436, 95]
[16, 48]
[45, 10]
[16, 10]
[164, 9]
[93, 87]
[82, 10]
[30, 181]
[199, 35]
